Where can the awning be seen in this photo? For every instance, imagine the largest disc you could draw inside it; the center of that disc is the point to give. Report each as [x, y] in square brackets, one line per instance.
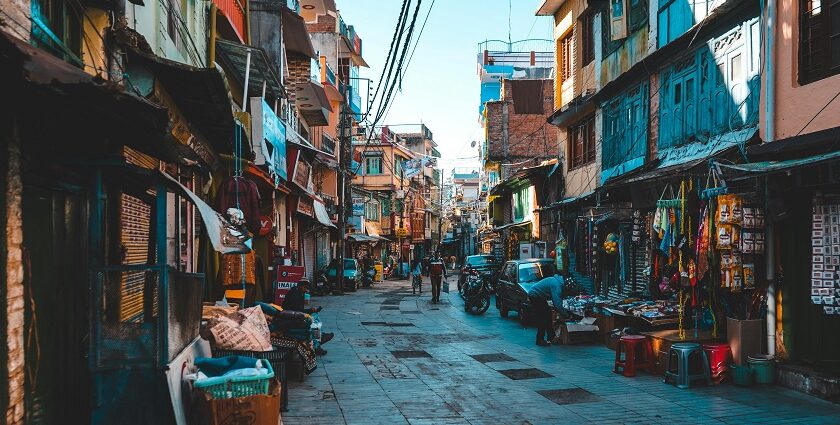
[373, 229]
[317, 7]
[312, 101]
[675, 161]
[573, 111]
[523, 176]
[804, 145]
[234, 56]
[509, 225]
[358, 237]
[225, 238]
[199, 93]
[322, 215]
[567, 201]
[766, 167]
[95, 117]
[295, 37]
[449, 241]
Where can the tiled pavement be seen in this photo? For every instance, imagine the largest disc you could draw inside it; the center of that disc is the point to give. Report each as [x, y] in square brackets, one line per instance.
[435, 364]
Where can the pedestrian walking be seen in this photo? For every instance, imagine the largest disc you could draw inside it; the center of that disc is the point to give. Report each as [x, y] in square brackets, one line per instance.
[549, 288]
[437, 271]
[416, 277]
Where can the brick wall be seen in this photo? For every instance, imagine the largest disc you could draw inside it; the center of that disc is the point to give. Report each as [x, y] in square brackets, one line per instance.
[14, 285]
[15, 18]
[325, 23]
[529, 136]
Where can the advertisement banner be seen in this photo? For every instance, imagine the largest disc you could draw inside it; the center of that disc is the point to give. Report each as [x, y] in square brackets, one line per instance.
[286, 279]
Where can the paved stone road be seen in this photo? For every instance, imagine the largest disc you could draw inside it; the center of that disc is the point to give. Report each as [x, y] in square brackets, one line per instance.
[398, 359]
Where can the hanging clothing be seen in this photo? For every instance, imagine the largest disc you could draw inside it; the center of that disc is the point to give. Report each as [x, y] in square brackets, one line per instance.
[248, 196]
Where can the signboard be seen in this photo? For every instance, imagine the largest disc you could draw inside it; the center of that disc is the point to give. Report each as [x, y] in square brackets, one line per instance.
[358, 207]
[267, 129]
[304, 206]
[287, 278]
[302, 172]
[401, 232]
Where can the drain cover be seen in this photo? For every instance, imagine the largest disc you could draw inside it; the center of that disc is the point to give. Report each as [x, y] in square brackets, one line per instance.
[389, 307]
[570, 396]
[517, 374]
[495, 357]
[396, 325]
[375, 323]
[410, 312]
[410, 354]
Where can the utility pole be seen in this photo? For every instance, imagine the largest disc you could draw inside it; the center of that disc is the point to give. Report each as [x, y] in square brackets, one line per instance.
[344, 152]
[402, 212]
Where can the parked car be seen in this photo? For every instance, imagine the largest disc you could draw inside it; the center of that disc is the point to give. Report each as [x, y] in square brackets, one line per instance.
[486, 265]
[352, 275]
[515, 278]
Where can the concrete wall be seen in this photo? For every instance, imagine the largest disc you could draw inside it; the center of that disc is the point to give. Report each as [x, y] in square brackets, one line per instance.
[150, 21]
[796, 104]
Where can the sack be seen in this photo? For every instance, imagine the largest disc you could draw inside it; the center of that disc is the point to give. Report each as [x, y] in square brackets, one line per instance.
[245, 330]
[210, 310]
[263, 409]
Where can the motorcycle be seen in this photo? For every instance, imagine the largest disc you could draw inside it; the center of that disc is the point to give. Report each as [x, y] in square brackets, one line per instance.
[367, 278]
[476, 293]
[321, 285]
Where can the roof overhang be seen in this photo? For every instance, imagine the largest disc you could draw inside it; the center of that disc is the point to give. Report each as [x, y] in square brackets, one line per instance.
[311, 9]
[234, 57]
[573, 111]
[313, 103]
[295, 37]
[549, 7]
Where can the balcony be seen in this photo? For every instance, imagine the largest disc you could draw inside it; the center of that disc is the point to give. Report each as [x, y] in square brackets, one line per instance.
[355, 102]
[327, 74]
[234, 12]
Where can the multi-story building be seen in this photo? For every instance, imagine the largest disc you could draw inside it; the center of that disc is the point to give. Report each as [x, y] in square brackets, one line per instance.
[427, 181]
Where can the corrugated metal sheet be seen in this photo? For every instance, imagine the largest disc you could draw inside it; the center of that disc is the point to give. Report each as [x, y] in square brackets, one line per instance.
[135, 227]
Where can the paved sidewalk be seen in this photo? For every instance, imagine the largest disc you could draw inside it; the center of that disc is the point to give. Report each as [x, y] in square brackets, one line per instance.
[398, 359]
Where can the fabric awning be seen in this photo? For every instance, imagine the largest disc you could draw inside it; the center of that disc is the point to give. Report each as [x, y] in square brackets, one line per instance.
[295, 37]
[321, 214]
[373, 229]
[234, 57]
[567, 201]
[358, 237]
[199, 93]
[312, 101]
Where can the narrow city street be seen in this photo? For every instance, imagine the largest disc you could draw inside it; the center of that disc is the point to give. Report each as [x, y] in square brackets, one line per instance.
[396, 359]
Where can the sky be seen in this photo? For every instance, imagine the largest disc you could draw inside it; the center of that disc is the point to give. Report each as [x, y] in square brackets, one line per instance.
[440, 86]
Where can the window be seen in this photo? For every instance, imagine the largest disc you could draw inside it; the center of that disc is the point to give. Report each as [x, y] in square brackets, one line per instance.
[522, 204]
[56, 28]
[566, 57]
[637, 15]
[582, 143]
[587, 32]
[372, 211]
[373, 165]
[819, 40]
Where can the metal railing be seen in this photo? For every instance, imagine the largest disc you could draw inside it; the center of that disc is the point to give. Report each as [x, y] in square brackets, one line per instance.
[527, 45]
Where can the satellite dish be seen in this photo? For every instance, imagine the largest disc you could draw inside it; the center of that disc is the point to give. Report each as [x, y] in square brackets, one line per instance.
[472, 145]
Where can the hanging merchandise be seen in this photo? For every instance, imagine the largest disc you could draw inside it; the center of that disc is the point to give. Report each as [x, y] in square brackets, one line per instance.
[730, 210]
[241, 193]
[825, 254]
[638, 224]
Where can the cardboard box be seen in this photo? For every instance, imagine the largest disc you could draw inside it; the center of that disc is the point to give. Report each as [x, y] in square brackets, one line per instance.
[252, 410]
[745, 338]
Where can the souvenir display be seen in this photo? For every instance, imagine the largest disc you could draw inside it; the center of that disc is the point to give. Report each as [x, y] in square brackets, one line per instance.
[825, 256]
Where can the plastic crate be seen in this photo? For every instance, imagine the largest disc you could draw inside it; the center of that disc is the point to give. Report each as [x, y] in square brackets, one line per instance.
[242, 386]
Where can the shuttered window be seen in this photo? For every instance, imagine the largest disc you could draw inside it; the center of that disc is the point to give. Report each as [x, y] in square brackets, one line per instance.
[566, 57]
[582, 143]
[587, 40]
[819, 40]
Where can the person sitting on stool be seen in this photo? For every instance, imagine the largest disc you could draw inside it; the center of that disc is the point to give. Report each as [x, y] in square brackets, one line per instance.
[549, 288]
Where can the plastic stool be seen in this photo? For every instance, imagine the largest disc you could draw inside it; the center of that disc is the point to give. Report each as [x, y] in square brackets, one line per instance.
[720, 356]
[682, 354]
[630, 345]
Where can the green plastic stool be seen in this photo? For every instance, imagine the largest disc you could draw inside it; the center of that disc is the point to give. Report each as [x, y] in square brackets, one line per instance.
[681, 354]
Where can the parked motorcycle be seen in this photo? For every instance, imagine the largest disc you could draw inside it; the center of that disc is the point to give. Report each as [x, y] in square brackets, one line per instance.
[321, 285]
[476, 293]
[367, 278]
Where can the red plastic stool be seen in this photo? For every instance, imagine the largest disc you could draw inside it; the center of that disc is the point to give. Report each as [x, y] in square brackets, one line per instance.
[630, 345]
[720, 356]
